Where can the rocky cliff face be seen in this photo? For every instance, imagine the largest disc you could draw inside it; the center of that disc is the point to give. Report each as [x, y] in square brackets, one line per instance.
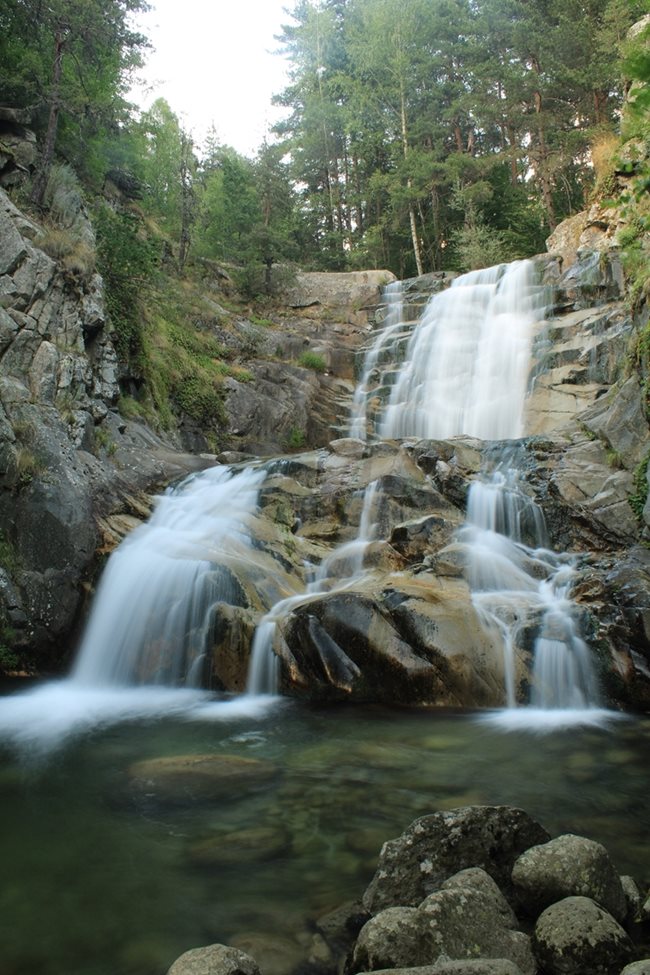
[75, 476]
[67, 459]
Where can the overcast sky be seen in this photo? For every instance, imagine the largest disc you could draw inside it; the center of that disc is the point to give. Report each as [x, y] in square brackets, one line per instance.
[213, 62]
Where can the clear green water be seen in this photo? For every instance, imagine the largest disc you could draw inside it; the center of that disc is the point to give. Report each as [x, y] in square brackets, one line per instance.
[99, 881]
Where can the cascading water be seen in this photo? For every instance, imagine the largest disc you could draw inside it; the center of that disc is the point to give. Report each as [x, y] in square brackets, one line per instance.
[519, 586]
[151, 621]
[144, 652]
[339, 570]
[466, 367]
[381, 347]
[466, 372]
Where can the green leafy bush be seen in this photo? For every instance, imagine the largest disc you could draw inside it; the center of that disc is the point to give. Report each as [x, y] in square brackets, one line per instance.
[312, 360]
[128, 260]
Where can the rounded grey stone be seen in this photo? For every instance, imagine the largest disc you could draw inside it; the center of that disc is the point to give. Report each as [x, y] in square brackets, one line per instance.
[564, 867]
[214, 960]
[576, 935]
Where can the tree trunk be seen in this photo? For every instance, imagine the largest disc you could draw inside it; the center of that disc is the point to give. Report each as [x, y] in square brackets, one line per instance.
[542, 170]
[187, 208]
[412, 220]
[42, 175]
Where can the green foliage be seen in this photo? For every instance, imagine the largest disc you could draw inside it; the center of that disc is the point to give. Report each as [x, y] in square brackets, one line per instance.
[9, 660]
[634, 161]
[312, 360]
[640, 493]
[8, 557]
[28, 465]
[68, 62]
[394, 103]
[184, 372]
[128, 259]
[104, 441]
[296, 439]
[129, 407]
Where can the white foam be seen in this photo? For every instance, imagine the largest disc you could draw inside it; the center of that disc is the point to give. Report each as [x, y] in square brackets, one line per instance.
[547, 720]
[42, 720]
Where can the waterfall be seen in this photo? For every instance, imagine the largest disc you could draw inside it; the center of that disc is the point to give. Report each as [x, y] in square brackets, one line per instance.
[466, 367]
[339, 570]
[152, 617]
[465, 371]
[381, 348]
[519, 585]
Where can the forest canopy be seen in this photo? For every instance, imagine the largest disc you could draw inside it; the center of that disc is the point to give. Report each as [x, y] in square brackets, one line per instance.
[418, 134]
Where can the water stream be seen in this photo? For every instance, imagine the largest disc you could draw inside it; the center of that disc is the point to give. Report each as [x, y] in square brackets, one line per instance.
[465, 372]
[339, 570]
[151, 617]
[466, 366]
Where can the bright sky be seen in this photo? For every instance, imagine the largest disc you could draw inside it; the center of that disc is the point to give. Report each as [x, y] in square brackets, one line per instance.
[213, 62]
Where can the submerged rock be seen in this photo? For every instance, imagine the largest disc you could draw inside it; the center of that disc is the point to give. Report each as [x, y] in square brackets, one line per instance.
[240, 846]
[182, 779]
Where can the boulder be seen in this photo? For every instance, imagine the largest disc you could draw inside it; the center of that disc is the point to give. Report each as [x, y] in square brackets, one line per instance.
[344, 293]
[576, 935]
[394, 938]
[565, 866]
[469, 916]
[214, 960]
[466, 917]
[435, 847]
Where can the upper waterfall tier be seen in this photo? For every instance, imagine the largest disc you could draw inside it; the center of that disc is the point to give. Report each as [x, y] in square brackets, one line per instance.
[464, 368]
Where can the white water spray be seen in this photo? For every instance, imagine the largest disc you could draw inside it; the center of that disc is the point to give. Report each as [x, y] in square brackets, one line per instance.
[151, 620]
[466, 367]
[519, 587]
[382, 348]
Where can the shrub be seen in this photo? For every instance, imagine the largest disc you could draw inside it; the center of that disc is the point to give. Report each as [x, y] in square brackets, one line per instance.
[295, 439]
[28, 466]
[312, 360]
[128, 260]
[640, 496]
[76, 256]
[8, 557]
